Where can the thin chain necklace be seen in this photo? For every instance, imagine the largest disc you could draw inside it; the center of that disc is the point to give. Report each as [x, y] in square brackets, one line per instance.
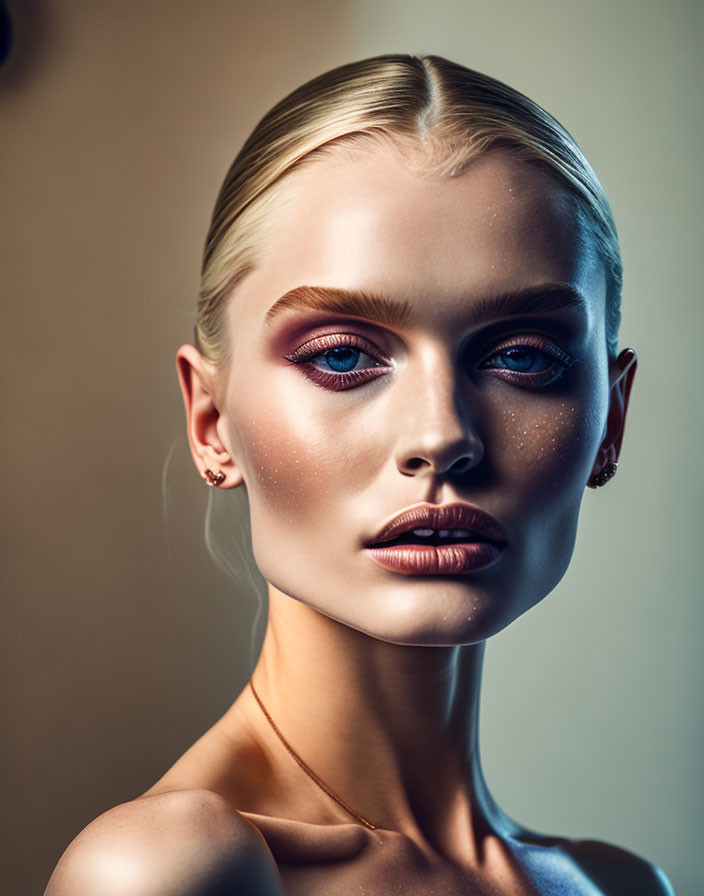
[311, 774]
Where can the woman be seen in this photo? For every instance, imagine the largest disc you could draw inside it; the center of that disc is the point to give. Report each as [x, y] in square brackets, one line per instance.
[406, 350]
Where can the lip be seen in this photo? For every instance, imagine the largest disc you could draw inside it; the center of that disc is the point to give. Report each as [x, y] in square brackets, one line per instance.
[457, 515]
[450, 559]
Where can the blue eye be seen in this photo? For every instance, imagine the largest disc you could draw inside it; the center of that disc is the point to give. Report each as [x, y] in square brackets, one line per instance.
[341, 359]
[338, 361]
[532, 361]
[522, 359]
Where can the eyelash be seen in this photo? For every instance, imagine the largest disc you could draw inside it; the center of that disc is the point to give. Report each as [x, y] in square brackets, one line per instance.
[561, 361]
[306, 354]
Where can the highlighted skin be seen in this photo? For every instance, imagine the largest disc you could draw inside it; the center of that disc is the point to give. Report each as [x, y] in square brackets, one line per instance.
[325, 467]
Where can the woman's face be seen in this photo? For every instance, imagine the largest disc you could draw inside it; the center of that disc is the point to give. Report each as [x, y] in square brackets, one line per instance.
[338, 422]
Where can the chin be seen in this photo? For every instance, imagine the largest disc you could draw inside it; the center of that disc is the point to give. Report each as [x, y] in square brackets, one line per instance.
[440, 615]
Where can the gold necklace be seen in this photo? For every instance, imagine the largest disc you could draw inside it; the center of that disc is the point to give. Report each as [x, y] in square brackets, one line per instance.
[311, 774]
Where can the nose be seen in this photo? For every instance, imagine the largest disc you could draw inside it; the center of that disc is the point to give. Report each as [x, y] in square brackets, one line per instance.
[439, 435]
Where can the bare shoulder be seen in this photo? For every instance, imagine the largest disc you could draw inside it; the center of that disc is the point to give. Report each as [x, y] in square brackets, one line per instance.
[616, 871]
[181, 843]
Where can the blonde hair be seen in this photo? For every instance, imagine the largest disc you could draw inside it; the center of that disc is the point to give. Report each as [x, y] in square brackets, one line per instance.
[437, 114]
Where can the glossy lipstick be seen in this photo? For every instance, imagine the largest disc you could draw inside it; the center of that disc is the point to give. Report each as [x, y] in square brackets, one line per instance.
[459, 538]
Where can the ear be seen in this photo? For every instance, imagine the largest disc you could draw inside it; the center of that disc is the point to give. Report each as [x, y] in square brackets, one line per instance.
[197, 379]
[621, 374]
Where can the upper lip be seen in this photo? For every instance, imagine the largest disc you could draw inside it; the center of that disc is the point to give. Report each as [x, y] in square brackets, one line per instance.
[442, 516]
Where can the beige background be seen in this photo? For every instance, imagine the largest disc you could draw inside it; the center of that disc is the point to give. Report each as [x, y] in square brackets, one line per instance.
[121, 639]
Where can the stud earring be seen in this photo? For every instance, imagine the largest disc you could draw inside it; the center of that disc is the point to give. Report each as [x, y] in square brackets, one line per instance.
[214, 478]
[608, 471]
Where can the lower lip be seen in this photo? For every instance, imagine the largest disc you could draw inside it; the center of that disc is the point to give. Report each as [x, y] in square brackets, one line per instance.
[437, 560]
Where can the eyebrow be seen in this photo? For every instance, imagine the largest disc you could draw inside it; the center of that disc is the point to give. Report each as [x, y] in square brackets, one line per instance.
[344, 301]
[544, 298]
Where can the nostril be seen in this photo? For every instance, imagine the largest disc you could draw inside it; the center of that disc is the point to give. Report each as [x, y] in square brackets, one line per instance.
[462, 465]
[415, 463]
[442, 452]
[458, 467]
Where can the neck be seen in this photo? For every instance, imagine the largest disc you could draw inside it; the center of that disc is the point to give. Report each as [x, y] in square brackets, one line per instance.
[392, 729]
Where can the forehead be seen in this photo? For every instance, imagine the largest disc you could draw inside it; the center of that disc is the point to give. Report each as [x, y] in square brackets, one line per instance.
[369, 222]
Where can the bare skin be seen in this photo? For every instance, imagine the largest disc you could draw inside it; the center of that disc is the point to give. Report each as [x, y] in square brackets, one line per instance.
[374, 676]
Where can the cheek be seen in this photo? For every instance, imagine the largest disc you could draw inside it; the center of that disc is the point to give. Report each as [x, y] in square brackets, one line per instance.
[298, 460]
[554, 441]
[551, 441]
[545, 449]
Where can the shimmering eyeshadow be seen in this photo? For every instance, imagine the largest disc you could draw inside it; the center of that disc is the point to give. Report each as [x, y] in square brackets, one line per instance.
[341, 352]
[524, 352]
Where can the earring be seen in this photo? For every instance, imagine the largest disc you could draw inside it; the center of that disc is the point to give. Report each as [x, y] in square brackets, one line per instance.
[608, 471]
[214, 478]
